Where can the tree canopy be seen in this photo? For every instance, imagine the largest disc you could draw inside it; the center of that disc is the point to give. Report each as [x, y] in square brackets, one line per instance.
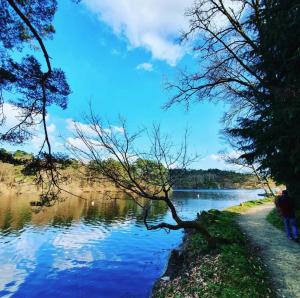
[250, 58]
[24, 84]
[212, 178]
[30, 86]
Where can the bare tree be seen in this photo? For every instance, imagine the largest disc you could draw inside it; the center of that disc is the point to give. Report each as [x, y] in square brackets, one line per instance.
[222, 37]
[239, 160]
[243, 163]
[140, 174]
[247, 57]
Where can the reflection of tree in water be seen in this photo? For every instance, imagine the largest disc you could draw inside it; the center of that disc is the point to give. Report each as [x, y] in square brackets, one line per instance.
[156, 212]
[108, 210]
[114, 209]
[7, 220]
[15, 213]
[62, 221]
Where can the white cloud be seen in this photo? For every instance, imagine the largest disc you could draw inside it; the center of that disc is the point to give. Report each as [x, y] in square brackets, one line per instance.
[145, 66]
[117, 129]
[151, 24]
[51, 128]
[76, 143]
[216, 160]
[115, 52]
[216, 157]
[72, 126]
[11, 113]
[55, 130]
[13, 116]
[88, 130]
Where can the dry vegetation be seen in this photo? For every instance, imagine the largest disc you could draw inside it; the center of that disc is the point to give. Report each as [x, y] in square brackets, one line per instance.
[78, 181]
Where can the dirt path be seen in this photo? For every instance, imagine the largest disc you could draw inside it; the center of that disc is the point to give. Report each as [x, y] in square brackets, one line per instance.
[281, 255]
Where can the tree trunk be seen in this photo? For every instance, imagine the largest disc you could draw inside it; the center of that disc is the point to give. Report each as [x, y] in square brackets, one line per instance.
[294, 193]
[269, 187]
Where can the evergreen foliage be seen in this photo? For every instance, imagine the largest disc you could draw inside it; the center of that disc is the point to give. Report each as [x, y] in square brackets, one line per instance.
[212, 178]
[22, 25]
[251, 60]
[272, 134]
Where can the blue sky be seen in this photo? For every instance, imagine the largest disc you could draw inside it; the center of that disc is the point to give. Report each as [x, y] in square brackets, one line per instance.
[116, 54]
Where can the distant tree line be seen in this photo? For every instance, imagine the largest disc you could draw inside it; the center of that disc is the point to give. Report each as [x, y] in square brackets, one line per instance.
[31, 162]
[212, 178]
[19, 157]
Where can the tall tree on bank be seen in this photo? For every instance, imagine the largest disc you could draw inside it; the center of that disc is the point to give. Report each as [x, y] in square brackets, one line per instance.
[26, 84]
[250, 58]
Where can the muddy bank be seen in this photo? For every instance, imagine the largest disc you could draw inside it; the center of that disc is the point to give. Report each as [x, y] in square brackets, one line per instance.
[175, 264]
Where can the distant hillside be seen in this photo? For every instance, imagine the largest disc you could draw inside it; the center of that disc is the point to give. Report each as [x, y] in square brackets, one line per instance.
[16, 174]
[212, 178]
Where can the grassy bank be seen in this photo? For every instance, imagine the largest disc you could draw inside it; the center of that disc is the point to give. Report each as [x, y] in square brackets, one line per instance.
[275, 219]
[231, 270]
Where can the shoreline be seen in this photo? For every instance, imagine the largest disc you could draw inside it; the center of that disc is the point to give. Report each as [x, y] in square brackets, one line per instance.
[173, 264]
[193, 257]
[70, 189]
[24, 188]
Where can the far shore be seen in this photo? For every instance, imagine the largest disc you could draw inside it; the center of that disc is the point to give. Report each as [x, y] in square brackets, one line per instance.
[25, 188]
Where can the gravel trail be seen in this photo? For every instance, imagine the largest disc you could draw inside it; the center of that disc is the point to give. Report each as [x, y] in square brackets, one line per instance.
[281, 256]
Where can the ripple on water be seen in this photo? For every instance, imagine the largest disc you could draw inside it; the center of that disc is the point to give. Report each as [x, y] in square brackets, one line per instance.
[92, 251]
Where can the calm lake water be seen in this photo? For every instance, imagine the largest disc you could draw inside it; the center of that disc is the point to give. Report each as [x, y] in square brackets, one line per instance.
[92, 248]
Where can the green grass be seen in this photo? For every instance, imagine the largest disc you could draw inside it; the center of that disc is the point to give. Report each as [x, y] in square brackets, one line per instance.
[243, 207]
[275, 219]
[231, 270]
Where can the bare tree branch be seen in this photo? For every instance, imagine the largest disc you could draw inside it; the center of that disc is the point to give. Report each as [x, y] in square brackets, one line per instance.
[139, 173]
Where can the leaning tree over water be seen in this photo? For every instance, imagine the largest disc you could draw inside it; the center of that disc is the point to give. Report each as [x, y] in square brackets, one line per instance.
[142, 172]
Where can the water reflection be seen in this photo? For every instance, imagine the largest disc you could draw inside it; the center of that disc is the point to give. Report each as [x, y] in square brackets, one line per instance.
[216, 194]
[93, 247]
[16, 212]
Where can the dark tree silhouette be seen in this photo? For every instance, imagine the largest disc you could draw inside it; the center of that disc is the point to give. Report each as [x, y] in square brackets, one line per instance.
[28, 85]
[249, 57]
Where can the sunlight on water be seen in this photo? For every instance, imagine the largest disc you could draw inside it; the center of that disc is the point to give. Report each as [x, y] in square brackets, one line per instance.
[92, 248]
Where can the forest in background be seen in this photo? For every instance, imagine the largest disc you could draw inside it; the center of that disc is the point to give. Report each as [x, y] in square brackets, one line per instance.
[213, 178]
[18, 175]
[15, 171]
